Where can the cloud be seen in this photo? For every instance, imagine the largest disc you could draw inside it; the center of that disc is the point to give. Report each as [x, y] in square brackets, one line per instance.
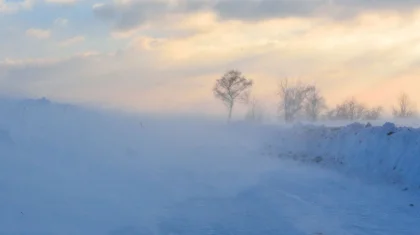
[15, 63]
[61, 22]
[61, 2]
[126, 15]
[38, 33]
[15, 6]
[265, 9]
[72, 41]
[333, 9]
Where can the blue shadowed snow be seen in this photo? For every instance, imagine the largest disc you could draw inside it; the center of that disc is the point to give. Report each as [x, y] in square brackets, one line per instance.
[67, 170]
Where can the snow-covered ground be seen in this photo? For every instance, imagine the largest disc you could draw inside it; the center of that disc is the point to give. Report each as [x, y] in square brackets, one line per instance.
[382, 153]
[68, 170]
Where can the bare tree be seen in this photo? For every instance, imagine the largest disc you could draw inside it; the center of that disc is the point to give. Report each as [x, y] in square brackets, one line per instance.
[405, 108]
[255, 111]
[314, 104]
[232, 87]
[373, 113]
[348, 110]
[331, 114]
[292, 98]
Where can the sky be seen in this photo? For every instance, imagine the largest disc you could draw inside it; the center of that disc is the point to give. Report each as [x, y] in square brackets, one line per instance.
[165, 55]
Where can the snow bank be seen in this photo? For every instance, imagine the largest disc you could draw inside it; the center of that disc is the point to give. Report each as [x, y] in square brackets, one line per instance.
[385, 151]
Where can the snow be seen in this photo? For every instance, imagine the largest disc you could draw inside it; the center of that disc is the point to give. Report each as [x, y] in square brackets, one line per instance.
[386, 152]
[72, 170]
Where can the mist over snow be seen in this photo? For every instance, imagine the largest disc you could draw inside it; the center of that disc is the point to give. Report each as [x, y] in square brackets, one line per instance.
[67, 169]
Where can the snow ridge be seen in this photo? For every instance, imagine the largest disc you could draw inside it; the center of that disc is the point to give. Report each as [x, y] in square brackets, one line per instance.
[385, 151]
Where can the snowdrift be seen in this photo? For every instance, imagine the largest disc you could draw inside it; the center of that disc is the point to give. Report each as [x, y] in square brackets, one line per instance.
[382, 152]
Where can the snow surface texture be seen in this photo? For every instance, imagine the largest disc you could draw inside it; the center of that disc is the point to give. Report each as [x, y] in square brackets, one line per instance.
[380, 152]
[67, 170]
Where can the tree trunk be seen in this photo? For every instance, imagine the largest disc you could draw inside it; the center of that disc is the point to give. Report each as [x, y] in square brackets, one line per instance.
[230, 112]
[288, 117]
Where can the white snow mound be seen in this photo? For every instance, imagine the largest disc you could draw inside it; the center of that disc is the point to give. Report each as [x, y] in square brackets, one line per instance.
[385, 151]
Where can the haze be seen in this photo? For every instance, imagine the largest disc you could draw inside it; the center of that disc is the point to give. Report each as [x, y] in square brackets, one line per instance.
[164, 55]
[216, 117]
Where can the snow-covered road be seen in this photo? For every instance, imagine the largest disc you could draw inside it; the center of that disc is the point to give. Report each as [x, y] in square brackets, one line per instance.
[300, 200]
[217, 196]
[114, 177]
